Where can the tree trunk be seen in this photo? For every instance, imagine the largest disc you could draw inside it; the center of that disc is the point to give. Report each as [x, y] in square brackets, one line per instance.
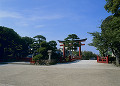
[117, 57]
[117, 60]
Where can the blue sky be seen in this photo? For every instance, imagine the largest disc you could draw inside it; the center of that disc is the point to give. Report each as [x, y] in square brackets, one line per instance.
[54, 19]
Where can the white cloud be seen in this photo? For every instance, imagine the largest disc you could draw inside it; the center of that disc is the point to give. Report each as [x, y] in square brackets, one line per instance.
[47, 17]
[22, 23]
[39, 26]
[30, 17]
[8, 14]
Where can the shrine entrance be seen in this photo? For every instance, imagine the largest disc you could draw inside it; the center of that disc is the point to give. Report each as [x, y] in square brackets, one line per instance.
[62, 44]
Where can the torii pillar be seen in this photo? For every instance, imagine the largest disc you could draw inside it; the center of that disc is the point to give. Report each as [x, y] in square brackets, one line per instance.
[63, 50]
[80, 50]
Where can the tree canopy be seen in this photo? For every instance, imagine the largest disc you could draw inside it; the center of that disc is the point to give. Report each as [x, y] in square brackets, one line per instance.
[39, 38]
[41, 47]
[99, 43]
[10, 42]
[52, 45]
[70, 42]
[113, 6]
[86, 55]
[13, 45]
[111, 33]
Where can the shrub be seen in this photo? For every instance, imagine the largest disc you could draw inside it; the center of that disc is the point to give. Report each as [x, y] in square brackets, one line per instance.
[37, 57]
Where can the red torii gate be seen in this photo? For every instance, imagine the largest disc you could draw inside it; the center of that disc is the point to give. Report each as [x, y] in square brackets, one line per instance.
[80, 40]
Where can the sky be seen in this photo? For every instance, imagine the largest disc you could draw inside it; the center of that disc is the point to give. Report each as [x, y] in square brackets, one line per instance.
[54, 19]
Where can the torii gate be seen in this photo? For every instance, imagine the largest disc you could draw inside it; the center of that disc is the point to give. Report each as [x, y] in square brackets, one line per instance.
[80, 40]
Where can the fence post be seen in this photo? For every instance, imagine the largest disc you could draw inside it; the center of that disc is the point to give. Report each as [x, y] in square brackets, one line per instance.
[107, 59]
[97, 58]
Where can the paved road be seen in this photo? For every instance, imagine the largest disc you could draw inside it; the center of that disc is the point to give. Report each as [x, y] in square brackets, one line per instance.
[78, 73]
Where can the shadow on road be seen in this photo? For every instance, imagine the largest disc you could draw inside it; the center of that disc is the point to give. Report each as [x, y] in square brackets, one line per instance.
[70, 62]
[3, 63]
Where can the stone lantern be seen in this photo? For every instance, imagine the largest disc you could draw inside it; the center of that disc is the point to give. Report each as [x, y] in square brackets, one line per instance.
[49, 53]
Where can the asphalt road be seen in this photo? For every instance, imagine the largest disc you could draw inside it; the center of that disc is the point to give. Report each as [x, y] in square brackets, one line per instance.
[79, 73]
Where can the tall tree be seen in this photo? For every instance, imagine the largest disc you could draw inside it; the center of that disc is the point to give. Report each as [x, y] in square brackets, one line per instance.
[10, 42]
[86, 55]
[26, 43]
[52, 45]
[70, 42]
[41, 51]
[111, 32]
[111, 27]
[109, 38]
[39, 38]
[37, 42]
[99, 43]
[28, 40]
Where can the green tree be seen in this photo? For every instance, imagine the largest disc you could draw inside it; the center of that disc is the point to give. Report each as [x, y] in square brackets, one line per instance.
[111, 28]
[113, 6]
[39, 38]
[86, 55]
[70, 42]
[99, 43]
[26, 43]
[37, 43]
[28, 40]
[10, 42]
[41, 47]
[43, 50]
[111, 32]
[52, 45]
[109, 38]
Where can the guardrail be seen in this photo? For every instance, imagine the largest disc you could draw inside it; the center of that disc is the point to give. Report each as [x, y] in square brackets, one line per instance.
[76, 58]
[102, 59]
